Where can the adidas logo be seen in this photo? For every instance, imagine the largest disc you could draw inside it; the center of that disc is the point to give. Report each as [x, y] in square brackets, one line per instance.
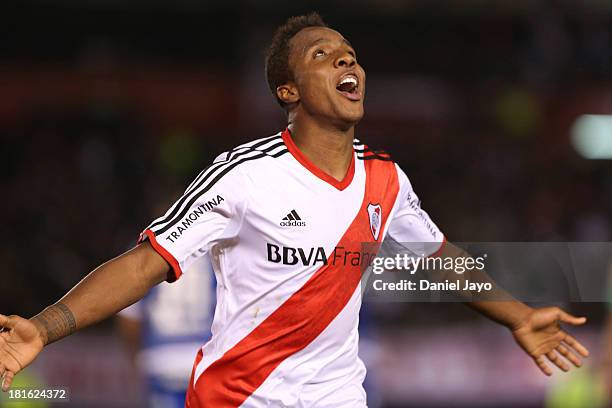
[292, 220]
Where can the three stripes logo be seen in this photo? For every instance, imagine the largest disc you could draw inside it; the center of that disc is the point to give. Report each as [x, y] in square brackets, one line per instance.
[292, 220]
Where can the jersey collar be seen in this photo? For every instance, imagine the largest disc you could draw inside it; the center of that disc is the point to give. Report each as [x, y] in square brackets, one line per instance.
[299, 156]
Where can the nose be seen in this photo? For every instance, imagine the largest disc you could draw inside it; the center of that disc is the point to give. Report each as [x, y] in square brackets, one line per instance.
[344, 60]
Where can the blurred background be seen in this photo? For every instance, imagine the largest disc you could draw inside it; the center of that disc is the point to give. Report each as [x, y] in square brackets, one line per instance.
[496, 110]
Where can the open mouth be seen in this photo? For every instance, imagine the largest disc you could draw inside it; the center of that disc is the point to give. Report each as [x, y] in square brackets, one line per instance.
[349, 87]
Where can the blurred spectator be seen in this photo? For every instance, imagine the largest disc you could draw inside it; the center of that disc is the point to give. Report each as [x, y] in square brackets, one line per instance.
[164, 331]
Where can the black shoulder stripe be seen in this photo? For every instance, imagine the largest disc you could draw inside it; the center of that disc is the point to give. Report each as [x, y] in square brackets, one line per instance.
[239, 152]
[207, 173]
[361, 149]
[195, 197]
[200, 175]
[264, 141]
[279, 153]
[228, 156]
[367, 150]
[255, 143]
[367, 153]
[196, 183]
[247, 147]
[375, 157]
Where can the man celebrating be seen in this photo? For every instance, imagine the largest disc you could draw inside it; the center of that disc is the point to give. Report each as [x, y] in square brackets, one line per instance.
[284, 219]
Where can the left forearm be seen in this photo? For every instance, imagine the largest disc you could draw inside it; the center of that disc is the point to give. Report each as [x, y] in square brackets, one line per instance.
[498, 305]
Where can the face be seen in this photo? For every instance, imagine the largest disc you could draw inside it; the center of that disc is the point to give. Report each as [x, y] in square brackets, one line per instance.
[328, 83]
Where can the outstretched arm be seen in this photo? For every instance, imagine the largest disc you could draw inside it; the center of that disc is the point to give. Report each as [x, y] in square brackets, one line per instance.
[537, 331]
[105, 291]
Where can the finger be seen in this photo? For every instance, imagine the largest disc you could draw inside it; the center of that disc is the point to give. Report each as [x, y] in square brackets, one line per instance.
[574, 359]
[576, 345]
[4, 321]
[568, 318]
[543, 366]
[554, 358]
[7, 322]
[7, 380]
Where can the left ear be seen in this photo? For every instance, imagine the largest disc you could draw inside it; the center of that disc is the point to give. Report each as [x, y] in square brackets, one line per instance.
[288, 93]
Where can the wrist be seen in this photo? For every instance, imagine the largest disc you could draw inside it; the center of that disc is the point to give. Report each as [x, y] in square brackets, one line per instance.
[54, 323]
[41, 329]
[518, 316]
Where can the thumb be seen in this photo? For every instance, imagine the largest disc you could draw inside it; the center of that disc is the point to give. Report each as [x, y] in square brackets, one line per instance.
[568, 318]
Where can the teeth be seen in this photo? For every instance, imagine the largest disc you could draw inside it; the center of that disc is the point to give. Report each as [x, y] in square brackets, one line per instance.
[349, 79]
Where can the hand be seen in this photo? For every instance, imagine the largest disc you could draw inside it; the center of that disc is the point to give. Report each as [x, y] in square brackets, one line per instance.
[20, 343]
[541, 336]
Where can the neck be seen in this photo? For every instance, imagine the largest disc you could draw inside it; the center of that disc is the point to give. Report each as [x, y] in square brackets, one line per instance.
[327, 147]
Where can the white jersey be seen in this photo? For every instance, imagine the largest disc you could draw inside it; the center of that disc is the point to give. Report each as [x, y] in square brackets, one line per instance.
[286, 242]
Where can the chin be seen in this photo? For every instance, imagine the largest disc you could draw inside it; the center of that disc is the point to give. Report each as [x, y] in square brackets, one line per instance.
[346, 122]
[352, 118]
[349, 114]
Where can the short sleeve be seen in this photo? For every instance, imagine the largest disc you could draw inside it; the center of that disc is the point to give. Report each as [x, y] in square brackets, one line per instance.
[210, 211]
[411, 224]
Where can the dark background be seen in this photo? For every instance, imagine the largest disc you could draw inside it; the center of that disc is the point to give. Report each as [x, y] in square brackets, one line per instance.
[109, 108]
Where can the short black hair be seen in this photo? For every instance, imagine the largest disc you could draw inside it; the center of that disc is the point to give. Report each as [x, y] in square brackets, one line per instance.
[277, 55]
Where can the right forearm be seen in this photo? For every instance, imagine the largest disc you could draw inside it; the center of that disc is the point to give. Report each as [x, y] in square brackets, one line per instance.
[105, 291]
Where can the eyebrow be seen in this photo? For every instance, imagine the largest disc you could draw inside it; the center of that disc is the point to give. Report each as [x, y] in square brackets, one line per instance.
[320, 40]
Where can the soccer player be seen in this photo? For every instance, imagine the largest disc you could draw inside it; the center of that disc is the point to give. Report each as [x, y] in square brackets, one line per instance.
[284, 219]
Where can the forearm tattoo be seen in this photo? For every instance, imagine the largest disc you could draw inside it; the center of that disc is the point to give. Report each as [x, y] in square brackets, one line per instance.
[56, 322]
